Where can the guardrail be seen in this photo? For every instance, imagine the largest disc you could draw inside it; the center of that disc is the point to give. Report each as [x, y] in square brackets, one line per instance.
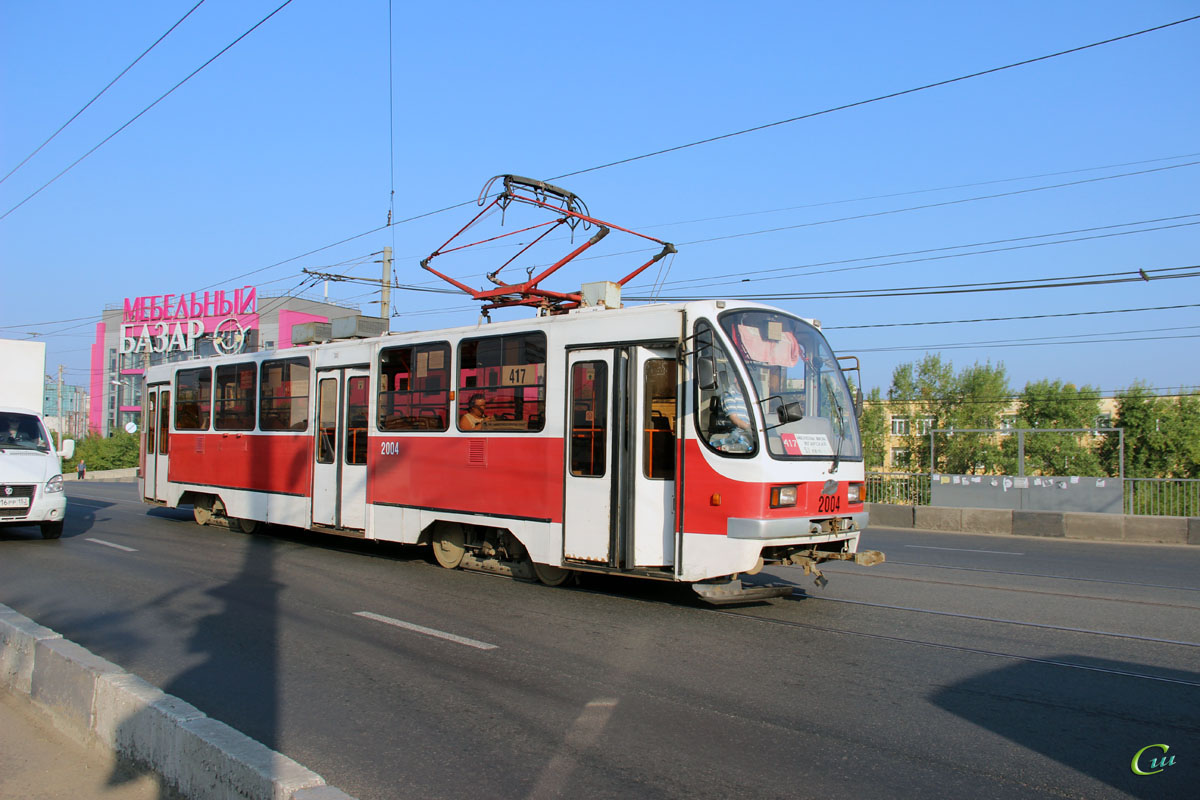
[1148, 497]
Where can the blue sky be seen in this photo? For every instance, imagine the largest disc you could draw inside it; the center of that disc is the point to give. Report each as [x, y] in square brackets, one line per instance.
[284, 145]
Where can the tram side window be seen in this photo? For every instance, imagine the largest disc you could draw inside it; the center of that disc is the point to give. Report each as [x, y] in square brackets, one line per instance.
[193, 399]
[358, 399]
[148, 424]
[164, 421]
[589, 419]
[509, 374]
[327, 407]
[414, 388]
[284, 397]
[233, 406]
[658, 419]
[724, 421]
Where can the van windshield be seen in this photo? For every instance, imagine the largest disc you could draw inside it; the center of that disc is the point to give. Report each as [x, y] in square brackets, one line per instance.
[22, 432]
[807, 406]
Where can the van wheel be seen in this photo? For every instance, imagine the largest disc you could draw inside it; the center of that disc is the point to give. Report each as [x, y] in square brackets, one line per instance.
[551, 576]
[52, 530]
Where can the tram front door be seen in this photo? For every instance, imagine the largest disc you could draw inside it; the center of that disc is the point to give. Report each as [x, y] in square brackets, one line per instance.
[619, 498]
[339, 494]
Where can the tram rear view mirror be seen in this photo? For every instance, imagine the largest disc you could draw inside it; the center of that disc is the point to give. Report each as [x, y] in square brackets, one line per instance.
[706, 373]
[790, 412]
[858, 402]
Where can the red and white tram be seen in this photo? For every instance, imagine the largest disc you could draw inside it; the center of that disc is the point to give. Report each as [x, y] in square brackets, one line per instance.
[686, 442]
[599, 440]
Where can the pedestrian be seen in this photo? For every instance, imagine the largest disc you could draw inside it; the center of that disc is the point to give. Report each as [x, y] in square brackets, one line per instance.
[80, 469]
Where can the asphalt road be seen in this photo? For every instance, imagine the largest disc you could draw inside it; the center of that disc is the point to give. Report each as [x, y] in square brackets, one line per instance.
[966, 666]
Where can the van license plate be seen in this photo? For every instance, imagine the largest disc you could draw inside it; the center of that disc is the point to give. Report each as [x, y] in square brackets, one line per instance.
[14, 502]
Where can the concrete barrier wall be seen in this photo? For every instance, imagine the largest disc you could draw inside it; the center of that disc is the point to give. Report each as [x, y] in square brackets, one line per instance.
[94, 700]
[1052, 524]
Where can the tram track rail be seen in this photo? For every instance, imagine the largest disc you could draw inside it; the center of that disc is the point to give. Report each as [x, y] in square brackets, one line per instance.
[960, 648]
[1022, 589]
[1030, 575]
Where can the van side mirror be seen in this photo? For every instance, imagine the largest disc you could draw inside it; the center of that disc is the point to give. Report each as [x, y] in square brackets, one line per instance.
[68, 448]
[706, 373]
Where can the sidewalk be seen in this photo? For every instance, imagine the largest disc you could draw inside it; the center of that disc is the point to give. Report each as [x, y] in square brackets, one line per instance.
[69, 719]
[40, 762]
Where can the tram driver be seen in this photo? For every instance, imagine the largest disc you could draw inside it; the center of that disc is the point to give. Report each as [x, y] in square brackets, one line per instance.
[476, 413]
[734, 423]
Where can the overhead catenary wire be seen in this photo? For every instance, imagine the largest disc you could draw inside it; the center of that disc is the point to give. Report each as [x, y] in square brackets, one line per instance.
[89, 103]
[137, 116]
[878, 99]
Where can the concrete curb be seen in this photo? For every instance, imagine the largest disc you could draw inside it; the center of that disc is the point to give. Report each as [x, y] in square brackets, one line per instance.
[103, 475]
[95, 701]
[1050, 524]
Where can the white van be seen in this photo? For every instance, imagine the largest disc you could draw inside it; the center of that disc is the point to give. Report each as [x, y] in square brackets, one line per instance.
[31, 482]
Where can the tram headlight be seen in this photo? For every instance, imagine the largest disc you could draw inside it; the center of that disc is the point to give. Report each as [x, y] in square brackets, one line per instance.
[854, 493]
[782, 496]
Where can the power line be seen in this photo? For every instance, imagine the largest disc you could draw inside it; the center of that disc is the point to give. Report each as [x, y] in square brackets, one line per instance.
[779, 273]
[1007, 319]
[1067, 281]
[917, 191]
[106, 139]
[890, 96]
[101, 92]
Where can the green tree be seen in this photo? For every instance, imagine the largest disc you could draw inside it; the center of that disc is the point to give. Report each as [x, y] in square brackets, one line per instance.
[1049, 404]
[1162, 435]
[873, 427]
[933, 396]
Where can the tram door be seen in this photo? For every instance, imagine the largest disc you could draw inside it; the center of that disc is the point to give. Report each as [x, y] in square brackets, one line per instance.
[155, 440]
[340, 456]
[620, 461]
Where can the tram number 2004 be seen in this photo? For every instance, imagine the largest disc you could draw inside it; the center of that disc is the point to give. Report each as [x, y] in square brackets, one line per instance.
[829, 502]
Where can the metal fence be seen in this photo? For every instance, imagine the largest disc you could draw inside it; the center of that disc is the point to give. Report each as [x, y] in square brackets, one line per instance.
[1160, 497]
[898, 488]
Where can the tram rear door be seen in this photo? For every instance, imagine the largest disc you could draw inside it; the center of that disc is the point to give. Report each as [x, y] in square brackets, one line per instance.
[155, 441]
[619, 497]
[339, 494]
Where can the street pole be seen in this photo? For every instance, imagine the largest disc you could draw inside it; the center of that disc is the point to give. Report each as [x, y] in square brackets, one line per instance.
[61, 427]
[385, 306]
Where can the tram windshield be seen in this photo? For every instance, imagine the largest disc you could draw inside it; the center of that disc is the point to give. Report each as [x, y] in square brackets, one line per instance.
[807, 406]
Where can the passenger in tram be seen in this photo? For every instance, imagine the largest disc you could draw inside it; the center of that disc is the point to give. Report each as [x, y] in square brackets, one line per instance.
[734, 419]
[476, 414]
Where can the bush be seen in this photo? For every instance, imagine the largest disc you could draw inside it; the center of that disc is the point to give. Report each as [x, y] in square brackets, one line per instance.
[117, 452]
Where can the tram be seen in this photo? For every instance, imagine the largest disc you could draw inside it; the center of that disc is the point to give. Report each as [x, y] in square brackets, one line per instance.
[692, 442]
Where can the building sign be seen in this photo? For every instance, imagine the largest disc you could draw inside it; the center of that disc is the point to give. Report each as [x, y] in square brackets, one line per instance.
[170, 323]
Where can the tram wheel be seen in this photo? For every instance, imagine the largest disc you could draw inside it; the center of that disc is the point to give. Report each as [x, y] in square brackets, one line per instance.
[551, 576]
[449, 545]
[244, 525]
[202, 513]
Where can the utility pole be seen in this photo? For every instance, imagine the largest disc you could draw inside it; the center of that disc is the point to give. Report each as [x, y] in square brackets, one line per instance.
[61, 427]
[385, 306]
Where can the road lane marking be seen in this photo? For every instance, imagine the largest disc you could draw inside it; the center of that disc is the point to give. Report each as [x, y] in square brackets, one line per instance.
[410, 626]
[115, 546]
[963, 550]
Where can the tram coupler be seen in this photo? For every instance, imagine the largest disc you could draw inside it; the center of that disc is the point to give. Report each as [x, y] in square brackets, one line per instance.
[808, 560]
[731, 591]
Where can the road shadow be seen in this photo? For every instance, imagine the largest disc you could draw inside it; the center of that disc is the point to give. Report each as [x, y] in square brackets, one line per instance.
[235, 679]
[1093, 718]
